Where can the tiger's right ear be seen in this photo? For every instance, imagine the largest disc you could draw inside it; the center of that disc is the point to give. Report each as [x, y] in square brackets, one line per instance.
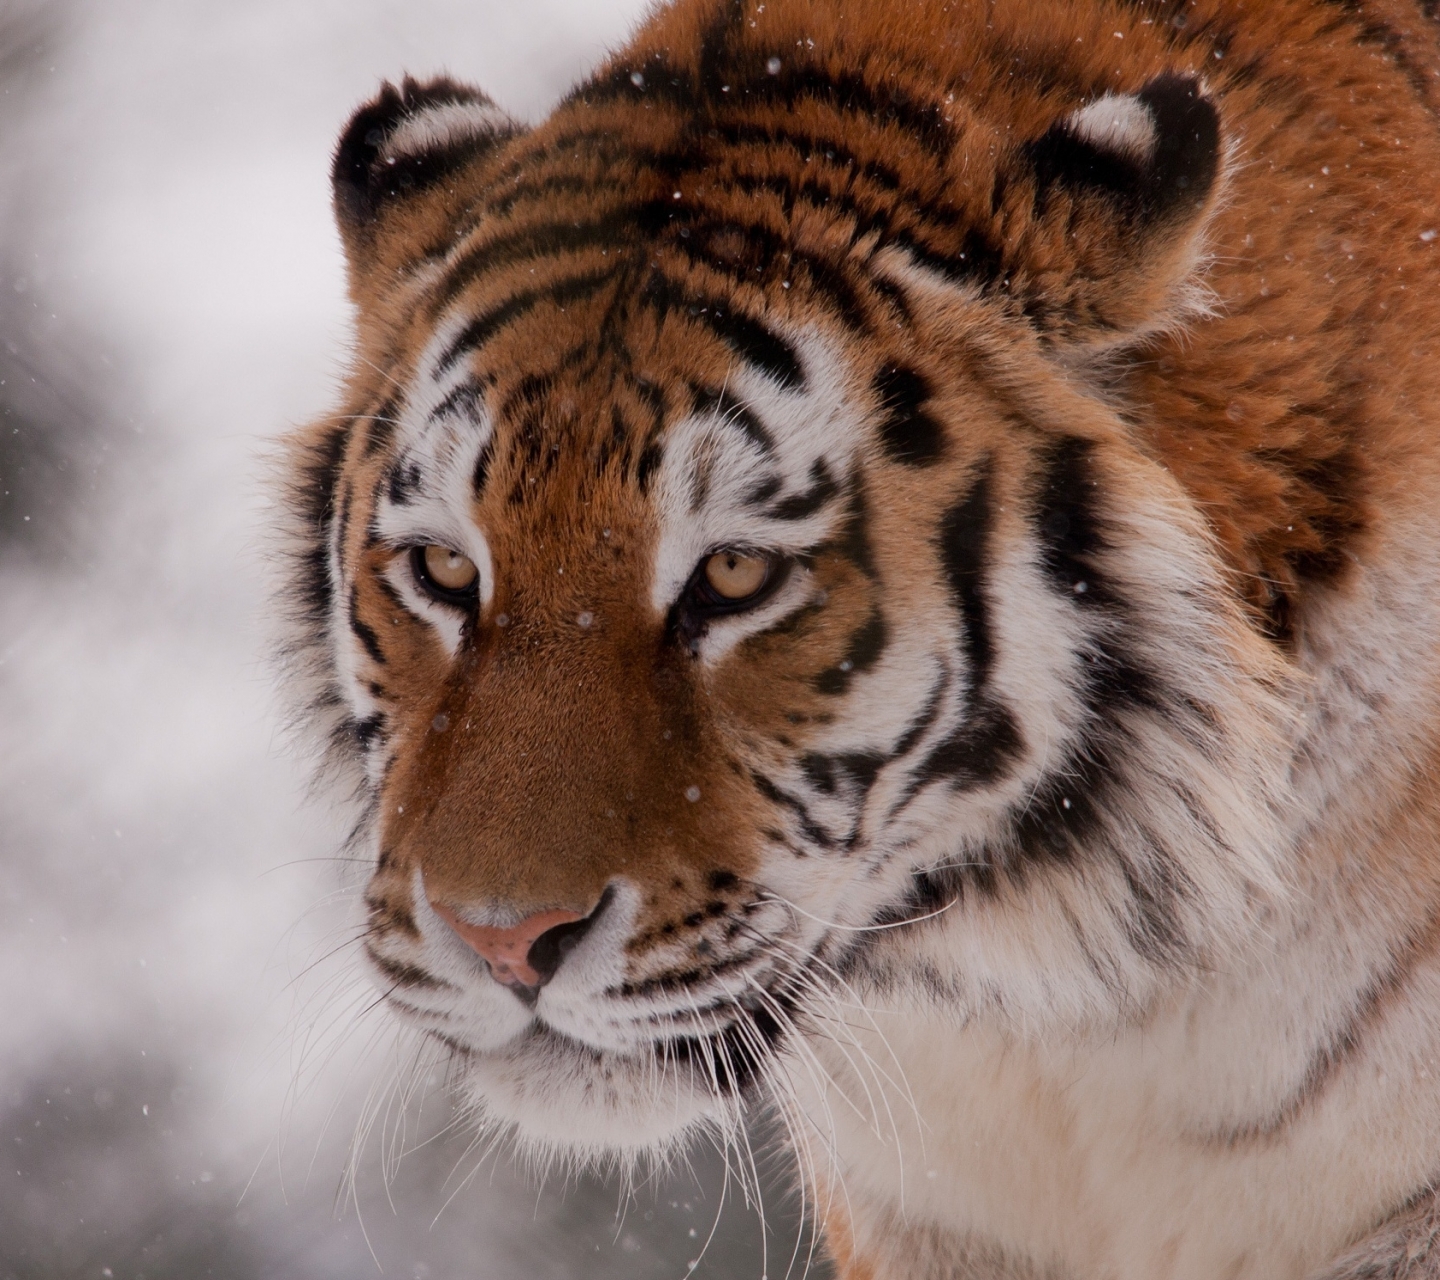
[396, 167]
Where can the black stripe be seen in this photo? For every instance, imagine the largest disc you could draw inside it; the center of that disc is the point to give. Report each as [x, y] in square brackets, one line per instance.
[810, 148]
[747, 337]
[964, 536]
[482, 467]
[561, 292]
[937, 236]
[403, 480]
[731, 1060]
[1380, 34]
[380, 427]
[403, 974]
[313, 495]
[1152, 925]
[717, 47]
[366, 731]
[848, 93]
[467, 399]
[315, 492]
[813, 831]
[924, 719]
[797, 622]
[386, 915]
[852, 539]
[364, 633]
[855, 769]
[342, 516]
[861, 653]
[979, 752]
[987, 742]
[765, 489]
[614, 445]
[528, 393]
[616, 228]
[735, 413]
[907, 433]
[543, 188]
[801, 506]
[1069, 526]
[771, 255]
[797, 84]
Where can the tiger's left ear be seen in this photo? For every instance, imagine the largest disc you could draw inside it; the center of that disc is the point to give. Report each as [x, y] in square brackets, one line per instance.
[1121, 191]
[397, 177]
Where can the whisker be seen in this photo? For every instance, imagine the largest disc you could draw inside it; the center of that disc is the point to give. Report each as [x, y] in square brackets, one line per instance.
[864, 928]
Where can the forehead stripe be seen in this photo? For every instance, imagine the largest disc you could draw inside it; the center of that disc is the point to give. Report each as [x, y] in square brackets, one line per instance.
[621, 226]
[801, 506]
[735, 413]
[488, 323]
[747, 337]
[797, 84]
[936, 236]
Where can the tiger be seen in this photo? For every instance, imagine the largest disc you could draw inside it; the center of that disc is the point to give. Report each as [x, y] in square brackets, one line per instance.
[881, 563]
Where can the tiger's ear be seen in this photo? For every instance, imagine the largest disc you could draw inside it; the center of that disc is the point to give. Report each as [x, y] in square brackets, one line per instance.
[1122, 190]
[395, 170]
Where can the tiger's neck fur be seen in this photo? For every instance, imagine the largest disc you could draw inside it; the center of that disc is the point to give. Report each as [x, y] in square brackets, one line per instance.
[1273, 1111]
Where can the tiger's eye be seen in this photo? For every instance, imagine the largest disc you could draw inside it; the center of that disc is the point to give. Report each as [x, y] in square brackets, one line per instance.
[449, 570]
[734, 575]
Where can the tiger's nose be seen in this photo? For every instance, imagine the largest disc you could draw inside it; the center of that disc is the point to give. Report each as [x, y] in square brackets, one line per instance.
[524, 956]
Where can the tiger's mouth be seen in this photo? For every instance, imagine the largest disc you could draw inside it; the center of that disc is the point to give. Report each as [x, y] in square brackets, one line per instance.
[728, 1061]
[560, 1088]
[729, 1038]
[601, 1054]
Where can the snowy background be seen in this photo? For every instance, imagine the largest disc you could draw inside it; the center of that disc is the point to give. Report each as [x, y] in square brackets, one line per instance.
[184, 1046]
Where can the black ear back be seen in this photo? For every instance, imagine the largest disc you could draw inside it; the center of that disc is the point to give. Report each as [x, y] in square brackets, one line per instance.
[1154, 155]
[404, 141]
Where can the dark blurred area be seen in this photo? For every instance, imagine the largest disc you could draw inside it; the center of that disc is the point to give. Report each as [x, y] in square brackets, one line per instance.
[51, 442]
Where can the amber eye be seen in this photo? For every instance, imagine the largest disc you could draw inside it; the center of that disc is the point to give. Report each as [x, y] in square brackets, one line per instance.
[444, 573]
[734, 576]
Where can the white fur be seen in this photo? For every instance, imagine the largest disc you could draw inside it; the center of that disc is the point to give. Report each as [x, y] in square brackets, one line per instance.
[1117, 122]
[444, 448]
[435, 128]
[817, 424]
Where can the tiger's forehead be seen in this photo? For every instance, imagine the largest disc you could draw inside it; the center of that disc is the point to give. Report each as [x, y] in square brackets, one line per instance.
[683, 433]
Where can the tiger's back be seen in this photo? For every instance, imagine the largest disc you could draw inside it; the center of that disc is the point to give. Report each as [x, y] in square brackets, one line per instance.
[884, 556]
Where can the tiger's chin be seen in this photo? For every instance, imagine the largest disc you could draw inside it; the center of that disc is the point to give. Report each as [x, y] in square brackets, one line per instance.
[561, 1098]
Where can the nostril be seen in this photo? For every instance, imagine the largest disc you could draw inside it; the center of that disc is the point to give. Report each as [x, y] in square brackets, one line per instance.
[548, 951]
[505, 949]
[525, 956]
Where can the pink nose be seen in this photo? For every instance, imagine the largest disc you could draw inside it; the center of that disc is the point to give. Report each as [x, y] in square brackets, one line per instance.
[507, 951]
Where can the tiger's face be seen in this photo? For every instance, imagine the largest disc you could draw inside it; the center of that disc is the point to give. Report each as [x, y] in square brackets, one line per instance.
[724, 602]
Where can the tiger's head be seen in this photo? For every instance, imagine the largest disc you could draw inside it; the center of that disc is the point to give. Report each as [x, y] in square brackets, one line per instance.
[732, 576]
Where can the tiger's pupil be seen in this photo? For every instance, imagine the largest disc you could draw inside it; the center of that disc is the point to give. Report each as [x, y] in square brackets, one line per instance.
[735, 576]
[449, 569]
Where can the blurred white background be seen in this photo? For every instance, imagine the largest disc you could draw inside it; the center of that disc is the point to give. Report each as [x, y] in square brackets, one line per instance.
[184, 1048]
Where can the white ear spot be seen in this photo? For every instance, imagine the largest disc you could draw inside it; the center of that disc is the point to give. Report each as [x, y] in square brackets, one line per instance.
[1118, 123]
[445, 125]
